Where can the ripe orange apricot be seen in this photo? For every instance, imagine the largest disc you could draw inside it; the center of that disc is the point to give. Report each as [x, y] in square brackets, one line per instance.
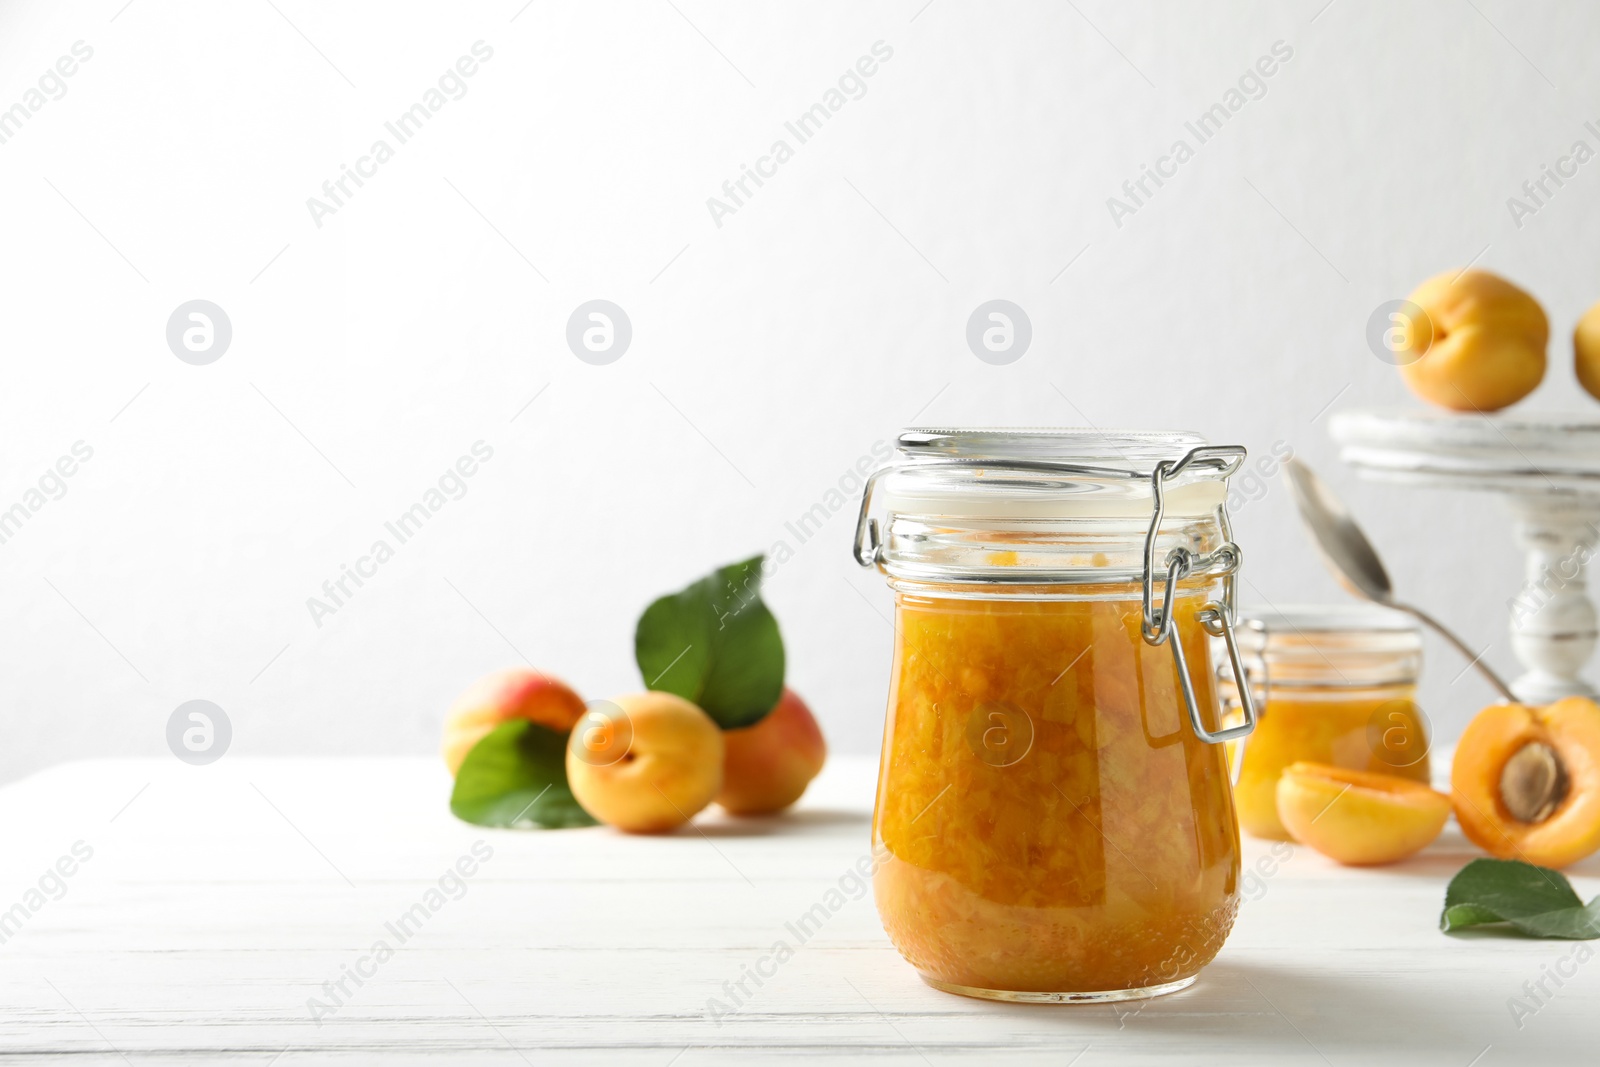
[1527, 781]
[767, 766]
[1359, 817]
[517, 693]
[1586, 351]
[644, 763]
[1479, 344]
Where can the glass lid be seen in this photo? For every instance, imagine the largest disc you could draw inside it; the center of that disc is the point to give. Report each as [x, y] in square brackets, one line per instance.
[1291, 619]
[1034, 505]
[1043, 473]
[1129, 453]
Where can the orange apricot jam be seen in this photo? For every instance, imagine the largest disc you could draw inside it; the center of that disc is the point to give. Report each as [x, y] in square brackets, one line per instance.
[1049, 825]
[1367, 730]
[1335, 684]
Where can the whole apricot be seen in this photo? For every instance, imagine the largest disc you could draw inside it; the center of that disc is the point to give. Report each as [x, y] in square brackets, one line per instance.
[646, 762]
[1586, 351]
[1479, 344]
[767, 766]
[1526, 781]
[517, 693]
[1359, 817]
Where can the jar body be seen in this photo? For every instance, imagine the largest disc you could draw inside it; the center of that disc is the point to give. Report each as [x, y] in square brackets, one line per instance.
[1379, 728]
[1048, 824]
[1334, 684]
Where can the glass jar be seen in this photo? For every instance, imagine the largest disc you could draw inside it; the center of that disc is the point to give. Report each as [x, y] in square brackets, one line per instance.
[1334, 684]
[1054, 820]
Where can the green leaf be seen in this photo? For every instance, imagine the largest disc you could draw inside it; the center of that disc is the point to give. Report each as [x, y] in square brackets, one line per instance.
[1511, 888]
[517, 777]
[715, 644]
[1535, 901]
[1461, 916]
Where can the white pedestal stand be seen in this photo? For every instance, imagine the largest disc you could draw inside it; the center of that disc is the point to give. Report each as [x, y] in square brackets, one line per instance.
[1549, 472]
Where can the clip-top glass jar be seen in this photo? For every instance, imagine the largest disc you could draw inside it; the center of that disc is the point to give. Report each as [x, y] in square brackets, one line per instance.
[1334, 684]
[1054, 819]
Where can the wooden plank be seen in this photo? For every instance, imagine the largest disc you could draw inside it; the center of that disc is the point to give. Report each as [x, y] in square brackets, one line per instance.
[218, 901]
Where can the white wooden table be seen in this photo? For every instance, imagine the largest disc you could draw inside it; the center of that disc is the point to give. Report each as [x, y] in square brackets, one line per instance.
[219, 899]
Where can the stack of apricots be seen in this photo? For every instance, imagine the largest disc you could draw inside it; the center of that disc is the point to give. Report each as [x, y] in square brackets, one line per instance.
[1525, 785]
[648, 762]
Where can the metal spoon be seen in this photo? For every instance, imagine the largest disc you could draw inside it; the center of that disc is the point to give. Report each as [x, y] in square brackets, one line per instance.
[1353, 560]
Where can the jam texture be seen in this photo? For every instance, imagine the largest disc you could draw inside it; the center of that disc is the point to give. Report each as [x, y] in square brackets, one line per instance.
[1378, 730]
[1046, 819]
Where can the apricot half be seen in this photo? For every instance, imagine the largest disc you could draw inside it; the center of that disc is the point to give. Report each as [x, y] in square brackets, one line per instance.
[1359, 817]
[1527, 781]
[1480, 344]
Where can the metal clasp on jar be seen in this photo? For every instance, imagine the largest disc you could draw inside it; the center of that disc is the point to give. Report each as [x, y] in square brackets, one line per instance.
[1217, 617]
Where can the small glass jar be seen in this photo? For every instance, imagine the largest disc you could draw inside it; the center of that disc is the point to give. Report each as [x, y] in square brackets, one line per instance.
[1334, 684]
[1054, 820]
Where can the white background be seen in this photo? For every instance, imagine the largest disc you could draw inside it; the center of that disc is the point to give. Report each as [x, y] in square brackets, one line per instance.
[768, 354]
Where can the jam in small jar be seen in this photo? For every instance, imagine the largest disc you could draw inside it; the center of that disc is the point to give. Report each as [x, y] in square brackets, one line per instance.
[1334, 684]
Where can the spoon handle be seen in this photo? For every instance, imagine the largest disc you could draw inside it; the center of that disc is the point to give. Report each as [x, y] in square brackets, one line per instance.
[1474, 659]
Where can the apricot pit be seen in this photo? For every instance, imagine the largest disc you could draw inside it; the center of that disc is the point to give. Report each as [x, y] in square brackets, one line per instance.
[1533, 783]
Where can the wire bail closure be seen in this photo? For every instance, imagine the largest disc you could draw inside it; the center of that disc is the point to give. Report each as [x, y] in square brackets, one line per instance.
[1157, 622]
[1217, 617]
